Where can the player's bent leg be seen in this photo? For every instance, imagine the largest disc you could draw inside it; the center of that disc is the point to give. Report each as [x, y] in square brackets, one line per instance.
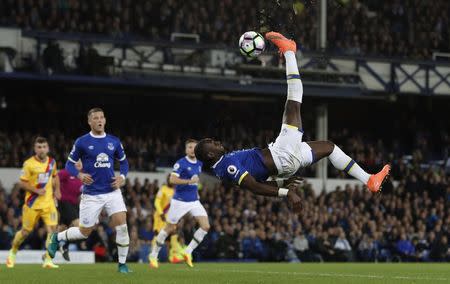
[200, 215]
[159, 243]
[65, 247]
[19, 238]
[341, 161]
[69, 235]
[175, 252]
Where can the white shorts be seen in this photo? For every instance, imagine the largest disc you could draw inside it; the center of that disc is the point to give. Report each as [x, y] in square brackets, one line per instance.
[91, 206]
[289, 152]
[179, 208]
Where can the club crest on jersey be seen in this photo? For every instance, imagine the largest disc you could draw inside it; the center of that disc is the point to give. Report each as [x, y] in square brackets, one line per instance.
[231, 169]
[102, 161]
[110, 146]
[91, 147]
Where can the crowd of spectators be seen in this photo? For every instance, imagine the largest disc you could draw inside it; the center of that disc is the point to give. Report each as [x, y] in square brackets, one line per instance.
[147, 152]
[407, 222]
[400, 28]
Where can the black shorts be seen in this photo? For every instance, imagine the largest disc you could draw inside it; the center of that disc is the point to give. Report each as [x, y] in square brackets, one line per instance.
[68, 212]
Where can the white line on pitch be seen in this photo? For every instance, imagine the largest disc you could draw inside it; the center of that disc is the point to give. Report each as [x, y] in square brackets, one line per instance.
[323, 274]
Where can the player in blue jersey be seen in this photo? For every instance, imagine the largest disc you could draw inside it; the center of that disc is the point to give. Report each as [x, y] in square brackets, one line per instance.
[251, 168]
[185, 176]
[97, 151]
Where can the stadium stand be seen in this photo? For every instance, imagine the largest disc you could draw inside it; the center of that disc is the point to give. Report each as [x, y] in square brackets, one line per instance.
[403, 28]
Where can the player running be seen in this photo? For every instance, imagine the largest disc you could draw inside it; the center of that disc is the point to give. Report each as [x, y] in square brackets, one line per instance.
[251, 168]
[97, 151]
[185, 176]
[162, 204]
[40, 181]
[68, 208]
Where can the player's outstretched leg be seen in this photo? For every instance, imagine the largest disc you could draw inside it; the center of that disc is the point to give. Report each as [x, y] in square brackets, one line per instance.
[291, 115]
[341, 161]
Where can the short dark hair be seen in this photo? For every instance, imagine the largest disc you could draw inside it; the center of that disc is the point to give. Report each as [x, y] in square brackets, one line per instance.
[190, 140]
[95, 109]
[40, 140]
[201, 152]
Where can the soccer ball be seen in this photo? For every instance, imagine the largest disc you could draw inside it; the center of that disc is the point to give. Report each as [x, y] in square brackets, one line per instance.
[251, 44]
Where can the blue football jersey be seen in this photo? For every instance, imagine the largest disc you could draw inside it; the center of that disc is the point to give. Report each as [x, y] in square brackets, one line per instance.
[97, 153]
[185, 168]
[236, 165]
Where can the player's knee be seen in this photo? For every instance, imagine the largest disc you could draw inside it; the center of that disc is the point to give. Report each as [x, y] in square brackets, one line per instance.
[86, 231]
[122, 237]
[25, 233]
[170, 228]
[205, 227]
[329, 147]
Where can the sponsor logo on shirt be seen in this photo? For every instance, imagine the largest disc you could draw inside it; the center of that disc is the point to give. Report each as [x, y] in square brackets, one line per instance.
[102, 161]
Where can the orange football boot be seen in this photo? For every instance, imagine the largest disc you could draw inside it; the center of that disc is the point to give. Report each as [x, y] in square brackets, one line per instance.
[376, 181]
[281, 42]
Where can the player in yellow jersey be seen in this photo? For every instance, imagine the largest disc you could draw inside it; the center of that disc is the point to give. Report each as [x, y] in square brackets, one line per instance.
[40, 181]
[162, 204]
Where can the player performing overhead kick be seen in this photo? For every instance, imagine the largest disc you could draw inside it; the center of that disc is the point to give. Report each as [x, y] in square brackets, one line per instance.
[251, 168]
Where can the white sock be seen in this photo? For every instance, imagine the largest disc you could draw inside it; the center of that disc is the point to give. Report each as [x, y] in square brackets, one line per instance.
[295, 86]
[344, 163]
[71, 234]
[123, 242]
[160, 239]
[196, 240]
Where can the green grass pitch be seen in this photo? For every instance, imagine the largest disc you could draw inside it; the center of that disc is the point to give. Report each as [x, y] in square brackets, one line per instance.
[278, 273]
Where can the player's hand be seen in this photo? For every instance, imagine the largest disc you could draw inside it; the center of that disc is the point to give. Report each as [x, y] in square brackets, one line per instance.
[294, 181]
[39, 191]
[85, 178]
[57, 194]
[295, 201]
[195, 179]
[118, 181]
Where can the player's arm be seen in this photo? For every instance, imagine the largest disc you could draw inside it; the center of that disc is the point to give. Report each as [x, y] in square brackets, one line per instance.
[56, 183]
[28, 187]
[175, 180]
[175, 176]
[24, 181]
[285, 182]
[249, 182]
[57, 187]
[118, 181]
[74, 156]
[158, 205]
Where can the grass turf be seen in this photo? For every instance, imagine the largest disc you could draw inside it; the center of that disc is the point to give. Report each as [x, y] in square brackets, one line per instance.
[279, 273]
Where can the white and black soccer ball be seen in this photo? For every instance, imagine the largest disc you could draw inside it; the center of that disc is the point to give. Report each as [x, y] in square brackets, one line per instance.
[251, 44]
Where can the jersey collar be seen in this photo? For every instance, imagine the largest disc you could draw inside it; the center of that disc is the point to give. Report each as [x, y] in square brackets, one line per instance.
[190, 160]
[42, 162]
[97, 136]
[214, 166]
